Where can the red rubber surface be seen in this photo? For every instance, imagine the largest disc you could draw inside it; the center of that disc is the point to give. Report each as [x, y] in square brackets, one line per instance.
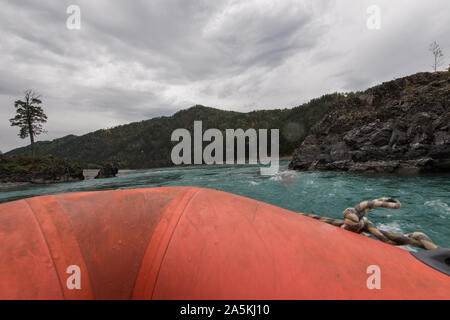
[193, 243]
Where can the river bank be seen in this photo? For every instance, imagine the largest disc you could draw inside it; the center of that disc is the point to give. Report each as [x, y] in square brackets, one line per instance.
[89, 174]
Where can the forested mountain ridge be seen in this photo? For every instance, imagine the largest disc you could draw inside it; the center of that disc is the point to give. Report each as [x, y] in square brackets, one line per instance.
[148, 144]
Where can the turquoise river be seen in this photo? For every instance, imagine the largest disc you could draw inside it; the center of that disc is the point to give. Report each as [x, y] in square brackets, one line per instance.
[425, 198]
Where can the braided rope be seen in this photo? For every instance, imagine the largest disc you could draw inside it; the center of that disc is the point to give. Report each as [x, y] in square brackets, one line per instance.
[355, 221]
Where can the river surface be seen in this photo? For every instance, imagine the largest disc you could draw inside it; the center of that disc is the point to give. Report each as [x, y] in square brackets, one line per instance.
[425, 198]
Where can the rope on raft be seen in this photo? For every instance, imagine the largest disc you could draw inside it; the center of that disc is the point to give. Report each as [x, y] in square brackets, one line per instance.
[355, 221]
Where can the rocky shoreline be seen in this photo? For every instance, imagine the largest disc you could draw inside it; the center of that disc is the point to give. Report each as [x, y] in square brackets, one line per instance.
[4, 186]
[42, 170]
[402, 126]
[89, 174]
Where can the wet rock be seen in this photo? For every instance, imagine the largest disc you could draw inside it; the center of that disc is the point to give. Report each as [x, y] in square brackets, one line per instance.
[108, 170]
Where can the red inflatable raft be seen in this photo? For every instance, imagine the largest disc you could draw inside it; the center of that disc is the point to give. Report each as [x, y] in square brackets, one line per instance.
[193, 243]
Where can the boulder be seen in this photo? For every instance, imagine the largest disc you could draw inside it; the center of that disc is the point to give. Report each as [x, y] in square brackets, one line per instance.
[108, 170]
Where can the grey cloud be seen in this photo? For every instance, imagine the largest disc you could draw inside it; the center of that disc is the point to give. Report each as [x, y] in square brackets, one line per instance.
[139, 59]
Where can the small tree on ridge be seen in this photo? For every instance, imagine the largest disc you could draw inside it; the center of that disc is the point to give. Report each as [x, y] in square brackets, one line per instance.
[437, 54]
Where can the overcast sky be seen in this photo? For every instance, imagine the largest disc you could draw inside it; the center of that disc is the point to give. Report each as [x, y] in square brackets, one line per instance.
[134, 60]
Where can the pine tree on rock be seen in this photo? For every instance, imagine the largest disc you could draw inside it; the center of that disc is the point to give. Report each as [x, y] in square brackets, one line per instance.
[29, 117]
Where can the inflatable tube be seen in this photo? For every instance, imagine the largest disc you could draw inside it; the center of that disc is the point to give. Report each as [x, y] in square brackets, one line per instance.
[193, 243]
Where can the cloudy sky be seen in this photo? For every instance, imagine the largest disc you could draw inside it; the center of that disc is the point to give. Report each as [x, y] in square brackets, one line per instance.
[134, 60]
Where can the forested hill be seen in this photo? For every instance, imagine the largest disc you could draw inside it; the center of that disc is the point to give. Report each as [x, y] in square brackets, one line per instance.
[147, 144]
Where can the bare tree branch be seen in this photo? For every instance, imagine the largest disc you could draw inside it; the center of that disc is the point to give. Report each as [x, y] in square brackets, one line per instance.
[437, 55]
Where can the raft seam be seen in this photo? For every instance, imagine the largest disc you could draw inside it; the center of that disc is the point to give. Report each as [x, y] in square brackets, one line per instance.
[185, 195]
[48, 247]
[171, 236]
[78, 244]
[146, 247]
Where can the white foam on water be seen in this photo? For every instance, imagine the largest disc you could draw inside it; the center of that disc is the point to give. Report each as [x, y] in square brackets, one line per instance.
[390, 227]
[438, 205]
[410, 248]
[286, 178]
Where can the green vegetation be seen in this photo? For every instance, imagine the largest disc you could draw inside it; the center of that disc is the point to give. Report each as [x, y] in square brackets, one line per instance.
[39, 170]
[147, 144]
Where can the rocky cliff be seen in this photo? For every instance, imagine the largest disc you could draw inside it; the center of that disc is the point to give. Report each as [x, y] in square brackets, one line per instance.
[399, 126]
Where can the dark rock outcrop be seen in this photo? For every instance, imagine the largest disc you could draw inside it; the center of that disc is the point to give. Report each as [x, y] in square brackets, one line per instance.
[108, 170]
[42, 170]
[402, 126]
